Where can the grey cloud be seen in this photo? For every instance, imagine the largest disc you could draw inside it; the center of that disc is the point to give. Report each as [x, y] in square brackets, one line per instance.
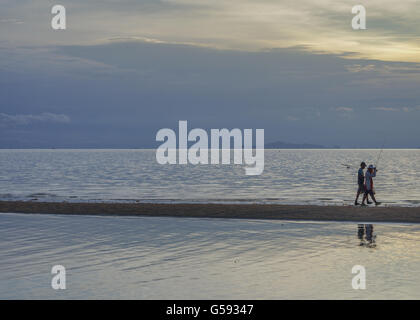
[25, 119]
[360, 68]
[149, 86]
[12, 21]
[292, 118]
[237, 24]
[386, 109]
[394, 109]
[344, 109]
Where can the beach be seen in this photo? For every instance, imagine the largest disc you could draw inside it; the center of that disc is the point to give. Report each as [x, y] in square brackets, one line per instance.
[235, 211]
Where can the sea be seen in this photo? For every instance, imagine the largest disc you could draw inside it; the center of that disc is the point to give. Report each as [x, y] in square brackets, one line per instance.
[313, 177]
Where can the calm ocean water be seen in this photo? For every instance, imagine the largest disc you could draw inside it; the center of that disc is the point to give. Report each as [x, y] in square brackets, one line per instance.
[290, 177]
[187, 258]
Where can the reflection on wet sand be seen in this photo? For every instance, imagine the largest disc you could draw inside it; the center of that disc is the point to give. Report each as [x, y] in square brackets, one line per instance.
[153, 257]
[366, 236]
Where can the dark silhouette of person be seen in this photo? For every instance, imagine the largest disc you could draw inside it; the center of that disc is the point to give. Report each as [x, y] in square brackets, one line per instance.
[366, 236]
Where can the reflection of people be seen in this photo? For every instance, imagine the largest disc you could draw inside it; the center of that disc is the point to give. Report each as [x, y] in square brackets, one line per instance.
[361, 183]
[370, 174]
[370, 239]
[361, 233]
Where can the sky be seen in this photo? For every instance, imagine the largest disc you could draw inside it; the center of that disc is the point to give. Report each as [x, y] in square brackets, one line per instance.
[124, 69]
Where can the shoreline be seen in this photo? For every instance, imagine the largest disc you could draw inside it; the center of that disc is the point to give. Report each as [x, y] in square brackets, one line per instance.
[235, 211]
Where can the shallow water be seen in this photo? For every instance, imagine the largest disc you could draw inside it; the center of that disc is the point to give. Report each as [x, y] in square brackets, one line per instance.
[290, 177]
[188, 258]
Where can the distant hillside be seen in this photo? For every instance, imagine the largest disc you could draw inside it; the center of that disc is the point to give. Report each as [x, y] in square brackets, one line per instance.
[285, 145]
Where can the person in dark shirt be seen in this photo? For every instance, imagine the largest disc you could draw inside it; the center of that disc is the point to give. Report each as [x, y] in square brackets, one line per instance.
[361, 183]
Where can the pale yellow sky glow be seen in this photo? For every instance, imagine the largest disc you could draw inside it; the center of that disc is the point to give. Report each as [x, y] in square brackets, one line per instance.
[393, 29]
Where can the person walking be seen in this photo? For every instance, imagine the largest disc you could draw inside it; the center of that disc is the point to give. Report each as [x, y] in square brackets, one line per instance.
[361, 184]
[370, 174]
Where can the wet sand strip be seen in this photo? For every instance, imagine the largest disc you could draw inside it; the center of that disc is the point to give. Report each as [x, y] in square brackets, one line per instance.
[238, 211]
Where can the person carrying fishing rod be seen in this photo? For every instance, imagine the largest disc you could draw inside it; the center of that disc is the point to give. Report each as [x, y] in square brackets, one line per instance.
[361, 184]
[370, 174]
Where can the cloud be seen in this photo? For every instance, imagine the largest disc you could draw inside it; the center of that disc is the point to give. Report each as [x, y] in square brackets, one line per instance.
[344, 112]
[386, 109]
[360, 68]
[347, 110]
[344, 109]
[394, 109]
[410, 109]
[292, 118]
[12, 21]
[248, 25]
[157, 41]
[25, 119]
[148, 86]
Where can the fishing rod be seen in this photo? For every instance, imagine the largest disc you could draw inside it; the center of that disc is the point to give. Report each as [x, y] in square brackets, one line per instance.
[379, 156]
[349, 166]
